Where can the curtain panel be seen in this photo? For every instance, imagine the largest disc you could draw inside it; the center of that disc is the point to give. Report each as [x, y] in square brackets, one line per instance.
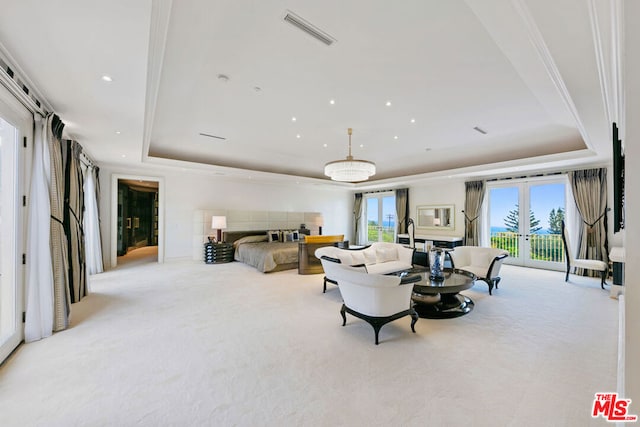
[589, 189]
[56, 267]
[39, 294]
[357, 214]
[59, 244]
[402, 209]
[474, 196]
[93, 242]
[73, 218]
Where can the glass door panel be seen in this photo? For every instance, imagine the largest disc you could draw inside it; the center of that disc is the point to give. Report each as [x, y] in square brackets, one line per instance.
[381, 218]
[524, 219]
[547, 210]
[374, 230]
[10, 328]
[389, 219]
[504, 221]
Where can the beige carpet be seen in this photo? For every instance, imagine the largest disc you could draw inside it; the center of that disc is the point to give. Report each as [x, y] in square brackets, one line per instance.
[190, 344]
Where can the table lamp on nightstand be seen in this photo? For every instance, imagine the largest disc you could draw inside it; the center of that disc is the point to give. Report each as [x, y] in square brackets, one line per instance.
[218, 223]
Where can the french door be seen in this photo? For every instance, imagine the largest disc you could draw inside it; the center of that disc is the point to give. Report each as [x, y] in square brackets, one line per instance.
[381, 217]
[15, 124]
[524, 219]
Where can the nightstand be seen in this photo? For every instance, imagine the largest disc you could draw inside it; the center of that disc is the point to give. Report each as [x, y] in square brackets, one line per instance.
[218, 253]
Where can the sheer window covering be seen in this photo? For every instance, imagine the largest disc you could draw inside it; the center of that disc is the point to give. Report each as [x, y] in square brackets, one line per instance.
[93, 243]
[39, 303]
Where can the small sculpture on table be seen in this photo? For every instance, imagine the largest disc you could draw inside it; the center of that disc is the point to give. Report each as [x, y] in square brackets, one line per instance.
[436, 264]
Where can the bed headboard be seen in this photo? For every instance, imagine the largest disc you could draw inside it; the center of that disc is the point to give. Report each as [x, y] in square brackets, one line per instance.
[232, 236]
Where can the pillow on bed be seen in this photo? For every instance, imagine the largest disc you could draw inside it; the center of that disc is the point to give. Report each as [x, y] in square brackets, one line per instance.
[291, 236]
[250, 239]
[274, 235]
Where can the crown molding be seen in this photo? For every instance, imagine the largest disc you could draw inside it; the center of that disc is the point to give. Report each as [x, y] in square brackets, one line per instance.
[536, 38]
[19, 79]
[159, 27]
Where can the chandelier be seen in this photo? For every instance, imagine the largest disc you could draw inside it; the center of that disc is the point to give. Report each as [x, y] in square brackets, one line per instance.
[350, 169]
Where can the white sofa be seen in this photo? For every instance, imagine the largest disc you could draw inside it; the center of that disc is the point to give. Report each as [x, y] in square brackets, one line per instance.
[378, 258]
[484, 262]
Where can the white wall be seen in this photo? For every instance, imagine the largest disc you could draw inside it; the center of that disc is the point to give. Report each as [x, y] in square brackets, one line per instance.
[632, 200]
[186, 191]
[445, 192]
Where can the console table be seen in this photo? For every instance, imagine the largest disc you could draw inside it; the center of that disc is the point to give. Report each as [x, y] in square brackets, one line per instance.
[425, 243]
[448, 242]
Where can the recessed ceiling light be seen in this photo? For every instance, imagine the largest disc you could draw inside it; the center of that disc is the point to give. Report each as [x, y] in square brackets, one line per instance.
[124, 155]
[298, 136]
[413, 120]
[118, 132]
[332, 101]
[293, 119]
[395, 137]
[388, 103]
[361, 145]
[107, 78]
[325, 145]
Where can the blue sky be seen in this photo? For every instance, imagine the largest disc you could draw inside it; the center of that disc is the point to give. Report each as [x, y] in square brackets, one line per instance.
[544, 197]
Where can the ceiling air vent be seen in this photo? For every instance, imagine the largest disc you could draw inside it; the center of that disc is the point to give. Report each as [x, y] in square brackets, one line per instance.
[308, 28]
[212, 136]
[480, 130]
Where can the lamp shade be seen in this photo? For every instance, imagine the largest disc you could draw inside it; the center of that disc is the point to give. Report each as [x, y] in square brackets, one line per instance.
[218, 222]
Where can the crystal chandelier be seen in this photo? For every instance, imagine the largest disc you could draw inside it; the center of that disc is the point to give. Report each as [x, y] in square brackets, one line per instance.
[350, 169]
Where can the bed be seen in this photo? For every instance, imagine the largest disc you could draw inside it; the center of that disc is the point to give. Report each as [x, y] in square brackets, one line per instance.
[252, 248]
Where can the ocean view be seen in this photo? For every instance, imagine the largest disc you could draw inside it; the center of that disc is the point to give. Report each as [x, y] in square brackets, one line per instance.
[504, 229]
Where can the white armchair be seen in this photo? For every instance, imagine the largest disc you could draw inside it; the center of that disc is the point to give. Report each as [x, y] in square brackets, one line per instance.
[484, 262]
[375, 298]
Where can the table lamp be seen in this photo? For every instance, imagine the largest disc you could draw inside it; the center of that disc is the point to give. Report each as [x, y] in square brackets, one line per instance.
[218, 223]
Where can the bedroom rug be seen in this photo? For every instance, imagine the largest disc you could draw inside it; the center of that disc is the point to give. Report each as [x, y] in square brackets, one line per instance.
[185, 343]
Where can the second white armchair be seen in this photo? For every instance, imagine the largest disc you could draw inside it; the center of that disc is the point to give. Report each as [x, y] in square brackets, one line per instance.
[375, 298]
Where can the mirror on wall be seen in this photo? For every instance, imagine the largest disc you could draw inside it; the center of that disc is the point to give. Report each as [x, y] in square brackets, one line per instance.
[436, 217]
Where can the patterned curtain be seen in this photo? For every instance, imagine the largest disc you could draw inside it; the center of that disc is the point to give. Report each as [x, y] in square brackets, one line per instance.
[472, 205]
[402, 209]
[72, 220]
[59, 244]
[357, 214]
[589, 189]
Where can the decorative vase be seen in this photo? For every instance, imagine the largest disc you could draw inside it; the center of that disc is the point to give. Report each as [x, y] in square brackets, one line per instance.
[436, 263]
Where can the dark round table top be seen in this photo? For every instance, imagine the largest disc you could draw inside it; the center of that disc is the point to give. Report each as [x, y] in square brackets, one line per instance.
[454, 281]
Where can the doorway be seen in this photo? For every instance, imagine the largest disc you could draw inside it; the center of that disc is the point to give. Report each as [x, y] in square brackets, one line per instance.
[137, 220]
[524, 219]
